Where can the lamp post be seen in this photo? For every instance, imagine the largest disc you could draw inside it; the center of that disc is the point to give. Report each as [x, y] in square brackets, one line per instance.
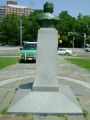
[84, 39]
[20, 32]
[73, 43]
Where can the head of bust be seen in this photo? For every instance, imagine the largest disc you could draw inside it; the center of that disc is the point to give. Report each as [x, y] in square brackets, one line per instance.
[48, 7]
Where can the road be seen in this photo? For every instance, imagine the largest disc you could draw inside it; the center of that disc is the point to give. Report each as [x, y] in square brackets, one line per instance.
[10, 50]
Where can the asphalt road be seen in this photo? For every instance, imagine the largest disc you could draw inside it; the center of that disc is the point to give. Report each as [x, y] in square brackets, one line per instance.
[15, 50]
[9, 50]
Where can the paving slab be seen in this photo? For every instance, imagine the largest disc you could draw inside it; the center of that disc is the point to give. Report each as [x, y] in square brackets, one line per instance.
[2, 94]
[87, 78]
[10, 85]
[87, 85]
[6, 117]
[86, 106]
[2, 106]
[76, 118]
[86, 98]
[71, 84]
[17, 84]
[25, 118]
[2, 90]
[37, 117]
[88, 117]
[8, 98]
[80, 91]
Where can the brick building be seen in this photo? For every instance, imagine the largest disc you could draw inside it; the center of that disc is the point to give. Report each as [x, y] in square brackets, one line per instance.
[12, 7]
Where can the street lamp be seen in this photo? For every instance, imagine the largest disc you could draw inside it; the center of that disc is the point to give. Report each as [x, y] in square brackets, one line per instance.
[79, 35]
[20, 32]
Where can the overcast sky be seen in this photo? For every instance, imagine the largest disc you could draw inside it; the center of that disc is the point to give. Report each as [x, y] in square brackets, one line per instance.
[74, 7]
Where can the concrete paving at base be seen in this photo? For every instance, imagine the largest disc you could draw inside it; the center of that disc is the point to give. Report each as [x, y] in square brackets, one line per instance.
[65, 70]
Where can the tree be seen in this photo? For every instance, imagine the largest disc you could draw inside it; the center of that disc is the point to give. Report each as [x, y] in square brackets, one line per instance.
[88, 40]
[63, 14]
[79, 16]
[86, 18]
[10, 29]
[32, 26]
[65, 25]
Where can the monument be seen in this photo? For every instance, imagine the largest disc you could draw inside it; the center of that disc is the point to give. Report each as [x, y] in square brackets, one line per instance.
[46, 95]
[46, 66]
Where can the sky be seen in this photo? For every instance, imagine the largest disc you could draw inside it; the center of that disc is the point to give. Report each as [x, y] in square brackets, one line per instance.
[74, 7]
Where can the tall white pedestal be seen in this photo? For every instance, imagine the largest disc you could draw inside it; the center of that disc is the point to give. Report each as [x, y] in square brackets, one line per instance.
[46, 63]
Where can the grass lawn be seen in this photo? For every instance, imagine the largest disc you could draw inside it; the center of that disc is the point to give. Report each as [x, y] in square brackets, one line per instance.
[82, 62]
[6, 61]
[9, 55]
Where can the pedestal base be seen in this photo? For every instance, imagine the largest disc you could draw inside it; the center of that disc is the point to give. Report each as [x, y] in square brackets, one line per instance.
[49, 88]
[62, 102]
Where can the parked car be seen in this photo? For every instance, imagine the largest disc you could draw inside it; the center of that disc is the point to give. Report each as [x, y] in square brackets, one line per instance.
[87, 49]
[64, 51]
[29, 51]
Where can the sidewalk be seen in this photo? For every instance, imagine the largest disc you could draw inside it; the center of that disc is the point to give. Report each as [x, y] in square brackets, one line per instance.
[69, 74]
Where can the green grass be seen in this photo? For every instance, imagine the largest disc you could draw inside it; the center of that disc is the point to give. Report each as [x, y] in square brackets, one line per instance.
[85, 113]
[9, 55]
[24, 115]
[32, 118]
[82, 62]
[6, 61]
[3, 112]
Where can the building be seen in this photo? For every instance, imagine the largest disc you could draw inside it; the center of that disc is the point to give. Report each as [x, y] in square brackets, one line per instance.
[12, 7]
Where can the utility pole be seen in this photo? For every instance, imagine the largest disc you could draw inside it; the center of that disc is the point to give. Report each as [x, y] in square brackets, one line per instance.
[20, 32]
[84, 39]
[73, 43]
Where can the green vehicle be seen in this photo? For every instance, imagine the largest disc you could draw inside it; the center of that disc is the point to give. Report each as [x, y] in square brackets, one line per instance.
[29, 51]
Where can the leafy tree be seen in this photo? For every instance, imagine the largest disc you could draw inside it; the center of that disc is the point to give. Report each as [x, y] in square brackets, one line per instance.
[66, 24]
[63, 14]
[88, 40]
[86, 18]
[0, 27]
[79, 16]
[31, 27]
[81, 28]
[10, 29]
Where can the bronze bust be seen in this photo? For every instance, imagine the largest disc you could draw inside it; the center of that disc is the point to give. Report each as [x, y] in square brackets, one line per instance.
[46, 19]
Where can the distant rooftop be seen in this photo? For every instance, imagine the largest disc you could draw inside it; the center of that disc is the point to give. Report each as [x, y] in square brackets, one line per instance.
[11, 0]
[16, 6]
[13, 4]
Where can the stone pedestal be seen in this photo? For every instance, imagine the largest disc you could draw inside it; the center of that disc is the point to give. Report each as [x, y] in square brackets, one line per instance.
[46, 63]
[61, 102]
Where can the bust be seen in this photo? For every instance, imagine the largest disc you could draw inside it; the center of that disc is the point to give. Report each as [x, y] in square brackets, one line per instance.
[47, 19]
